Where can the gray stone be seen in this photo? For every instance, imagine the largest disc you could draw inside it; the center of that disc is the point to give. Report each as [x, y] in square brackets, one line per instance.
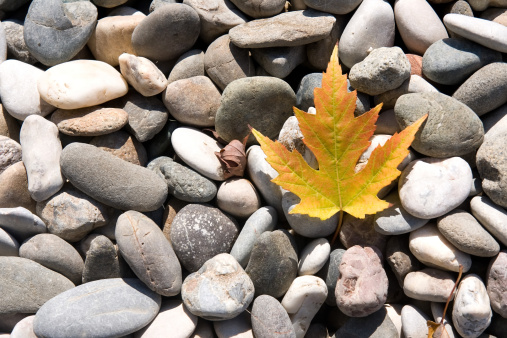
[269, 318]
[222, 277]
[330, 273]
[451, 129]
[166, 33]
[279, 61]
[480, 5]
[400, 259]
[21, 223]
[360, 231]
[239, 326]
[27, 285]
[155, 4]
[199, 232]
[432, 285]
[122, 145]
[10, 152]
[160, 144]
[9, 320]
[386, 123]
[318, 52]
[333, 6]
[495, 117]
[284, 30]
[376, 325]
[109, 3]
[105, 308]
[414, 322]
[148, 253]
[9, 246]
[491, 216]
[16, 46]
[292, 138]
[54, 253]
[262, 102]
[188, 65]
[56, 31]
[497, 283]
[414, 84]
[142, 74]
[304, 95]
[111, 180]
[101, 260]
[259, 8]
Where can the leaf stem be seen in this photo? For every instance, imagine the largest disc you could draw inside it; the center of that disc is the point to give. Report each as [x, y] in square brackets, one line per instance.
[452, 292]
[340, 221]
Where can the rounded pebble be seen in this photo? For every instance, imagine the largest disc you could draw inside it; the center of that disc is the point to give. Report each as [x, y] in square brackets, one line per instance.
[269, 317]
[313, 256]
[90, 121]
[432, 285]
[497, 283]
[238, 197]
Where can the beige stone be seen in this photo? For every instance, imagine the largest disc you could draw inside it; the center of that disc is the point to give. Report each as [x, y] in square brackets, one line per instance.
[142, 74]
[122, 145]
[14, 188]
[498, 15]
[238, 197]
[90, 121]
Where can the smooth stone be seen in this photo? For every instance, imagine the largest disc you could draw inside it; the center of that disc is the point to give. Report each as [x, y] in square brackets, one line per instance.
[167, 32]
[497, 283]
[376, 325]
[10, 152]
[188, 65]
[452, 61]
[183, 183]
[278, 31]
[418, 24]
[9, 246]
[21, 223]
[480, 5]
[270, 318]
[41, 156]
[24, 328]
[330, 273]
[414, 322]
[219, 290]
[400, 259]
[112, 181]
[122, 145]
[471, 311]
[9, 126]
[273, 263]
[304, 225]
[113, 36]
[238, 197]
[498, 15]
[81, 83]
[14, 188]
[487, 33]
[142, 74]
[56, 31]
[279, 61]
[387, 124]
[237, 327]
[317, 53]
[465, 233]
[109, 3]
[26, 285]
[495, 117]
[414, 84]
[437, 310]
[259, 8]
[90, 121]
[313, 256]
[126, 305]
[224, 62]
[152, 259]
[16, 46]
[334, 6]
[451, 129]
[432, 285]
[491, 216]
[173, 317]
[430, 247]
[101, 260]
[199, 232]
[485, 90]
[54, 253]
[361, 231]
[372, 26]
[292, 138]
[197, 150]
[184, 101]
[18, 89]
[204, 328]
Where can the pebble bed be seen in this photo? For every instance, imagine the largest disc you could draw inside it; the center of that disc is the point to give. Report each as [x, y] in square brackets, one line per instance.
[122, 215]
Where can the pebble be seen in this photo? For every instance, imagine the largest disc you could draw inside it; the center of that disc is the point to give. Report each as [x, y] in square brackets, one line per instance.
[334, 6]
[9, 126]
[269, 317]
[452, 61]
[480, 5]
[262, 102]
[437, 310]
[386, 123]
[112, 181]
[415, 64]
[330, 273]
[10, 153]
[292, 138]
[16, 46]
[471, 311]
[219, 290]
[148, 253]
[238, 197]
[237, 327]
[90, 121]
[199, 232]
[372, 26]
[204, 329]
[400, 259]
[485, 90]
[451, 129]
[498, 15]
[127, 305]
[122, 145]
[188, 65]
[361, 231]
[21, 223]
[432, 285]
[24, 328]
[304, 94]
[318, 52]
[9, 246]
[491, 216]
[14, 188]
[142, 74]
[279, 61]
[413, 322]
[102, 261]
[432, 187]
[375, 325]
[465, 233]
[161, 144]
[260, 9]
[185, 101]
[56, 31]
[497, 283]
[414, 84]
[81, 83]
[313, 256]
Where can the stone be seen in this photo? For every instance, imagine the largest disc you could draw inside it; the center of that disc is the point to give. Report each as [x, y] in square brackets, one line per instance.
[9, 126]
[414, 322]
[166, 33]
[199, 232]
[102, 261]
[10, 153]
[498, 15]
[16, 46]
[160, 144]
[27, 285]
[270, 318]
[188, 65]
[376, 325]
[452, 61]
[112, 37]
[497, 283]
[222, 277]
[372, 26]
[238, 197]
[362, 286]
[109, 3]
[193, 101]
[14, 188]
[9, 320]
[487, 33]
[89, 121]
[260, 9]
[485, 90]
[279, 61]
[386, 123]
[54, 253]
[430, 247]
[56, 31]
[152, 258]
[21, 223]
[491, 216]
[418, 24]
[81, 83]
[273, 263]
[361, 231]
[313, 256]
[111, 180]
[127, 305]
[437, 310]
[432, 285]
[304, 94]
[24, 328]
[122, 145]
[465, 233]
[278, 31]
[415, 64]
[334, 6]
[142, 74]
[204, 329]
[239, 326]
[292, 138]
[330, 273]
[471, 311]
[9, 246]
[414, 84]
[400, 259]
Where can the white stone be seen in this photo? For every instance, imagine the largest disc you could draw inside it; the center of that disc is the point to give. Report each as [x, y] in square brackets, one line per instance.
[304, 298]
[41, 157]
[429, 246]
[437, 310]
[394, 313]
[198, 151]
[491, 216]
[21, 222]
[18, 89]
[81, 83]
[142, 74]
[237, 327]
[9, 246]
[24, 328]
[313, 257]
[487, 33]
[432, 285]
[413, 322]
[238, 197]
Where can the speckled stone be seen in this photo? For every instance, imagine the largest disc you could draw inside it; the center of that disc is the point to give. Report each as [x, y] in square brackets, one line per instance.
[16, 46]
[10, 152]
[142, 74]
[102, 260]
[497, 283]
[270, 318]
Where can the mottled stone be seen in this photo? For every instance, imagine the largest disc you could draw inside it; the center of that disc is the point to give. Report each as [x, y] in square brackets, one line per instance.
[497, 283]
[90, 121]
[361, 231]
[292, 138]
[270, 318]
[10, 153]
[432, 285]
[101, 260]
[16, 46]
[142, 74]
[122, 145]
[400, 259]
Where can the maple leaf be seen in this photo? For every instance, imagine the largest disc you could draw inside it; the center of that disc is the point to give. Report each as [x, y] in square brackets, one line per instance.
[337, 139]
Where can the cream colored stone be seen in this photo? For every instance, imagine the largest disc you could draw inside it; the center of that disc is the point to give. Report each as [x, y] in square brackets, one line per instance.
[238, 197]
[142, 74]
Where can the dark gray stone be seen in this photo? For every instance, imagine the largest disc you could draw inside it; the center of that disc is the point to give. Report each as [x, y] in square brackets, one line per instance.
[269, 318]
[155, 4]
[109, 3]
[334, 6]
[111, 180]
[400, 259]
[101, 260]
[330, 274]
[9, 246]
[376, 325]
[105, 308]
[279, 61]
[16, 46]
[161, 144]
[55, 30]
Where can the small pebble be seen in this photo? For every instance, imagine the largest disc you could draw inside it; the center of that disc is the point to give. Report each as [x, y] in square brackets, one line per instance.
[497, 283]
[432, 285]
[142, 74]
[400, 259]
[102, 261]
[269, 317]
[238, 197]
[239, 326]
[413, 322]
[313, 257]
[9, 246]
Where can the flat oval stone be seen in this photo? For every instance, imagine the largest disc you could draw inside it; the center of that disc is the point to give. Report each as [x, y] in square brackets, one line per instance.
[81, 83]
[90, 121]
[279, 61]
[188, 65]
[491, 216]
[497, 283]
[313, 256]
[14, 188]
[21, 223]
[432, 285]
[111, 180]
[26, 285]
[101, 261]
[414, 322]
[10, 152]
[269, 318]
[9, 246]
[142, 74]
[126, 304]
[24, 328]
[259, 8]
[122, 145]
[238, 197]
